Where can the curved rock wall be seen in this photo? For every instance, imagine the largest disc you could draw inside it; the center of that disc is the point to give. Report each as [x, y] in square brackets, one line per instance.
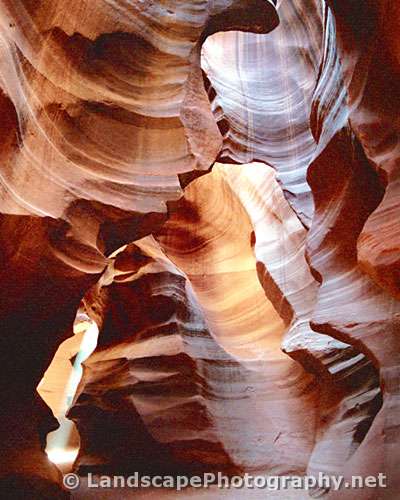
[270, 286]
[177, 392]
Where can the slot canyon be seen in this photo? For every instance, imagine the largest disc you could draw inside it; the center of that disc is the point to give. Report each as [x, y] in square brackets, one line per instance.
[199, 247]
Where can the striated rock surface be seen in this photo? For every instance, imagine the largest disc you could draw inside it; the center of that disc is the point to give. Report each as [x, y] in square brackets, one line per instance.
[218, 183]
[173, 395]
[349, 394]
[261, 90]
[101, 105]
[110, 101]
[342, 249]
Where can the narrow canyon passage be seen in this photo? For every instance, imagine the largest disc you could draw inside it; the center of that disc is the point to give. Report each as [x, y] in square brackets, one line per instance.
[199, 253]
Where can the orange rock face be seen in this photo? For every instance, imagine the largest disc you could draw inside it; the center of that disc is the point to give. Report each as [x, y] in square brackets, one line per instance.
[216, 184]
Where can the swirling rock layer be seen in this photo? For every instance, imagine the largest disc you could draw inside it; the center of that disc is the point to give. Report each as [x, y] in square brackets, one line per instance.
[249, 309]
[176, 339]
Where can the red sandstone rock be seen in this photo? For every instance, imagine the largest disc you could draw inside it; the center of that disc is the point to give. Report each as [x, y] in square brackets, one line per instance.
[252, 321]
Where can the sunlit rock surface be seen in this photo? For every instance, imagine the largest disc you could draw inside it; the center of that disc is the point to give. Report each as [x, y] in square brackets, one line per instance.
[181, 394]
[217, 184]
